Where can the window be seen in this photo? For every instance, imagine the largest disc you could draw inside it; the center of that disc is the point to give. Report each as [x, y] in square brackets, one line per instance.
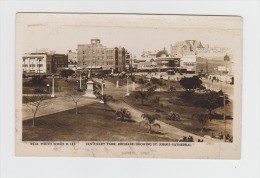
[25, 65]
[32, 65]
[39, 65]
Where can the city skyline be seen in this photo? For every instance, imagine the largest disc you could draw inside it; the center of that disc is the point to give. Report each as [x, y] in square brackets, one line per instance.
[61, 36]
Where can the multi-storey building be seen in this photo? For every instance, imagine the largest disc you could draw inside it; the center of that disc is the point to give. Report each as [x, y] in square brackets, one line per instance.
[95, 55]
[36, 63]
[44, 62]
[58, 61]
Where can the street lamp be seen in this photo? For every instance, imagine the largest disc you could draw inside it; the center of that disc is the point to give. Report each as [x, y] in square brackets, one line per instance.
[102, 91]
[220, 80]
[53, 95]
[79, 80]
[224, 102]
[127, 89]
[131, 65]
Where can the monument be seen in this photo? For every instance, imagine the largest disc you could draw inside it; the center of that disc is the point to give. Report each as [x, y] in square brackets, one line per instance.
[90, 88]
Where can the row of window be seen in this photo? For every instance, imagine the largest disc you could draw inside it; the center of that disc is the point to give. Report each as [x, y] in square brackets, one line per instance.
[33, 65]
[99, 51]
[98, 57]
[189, 64]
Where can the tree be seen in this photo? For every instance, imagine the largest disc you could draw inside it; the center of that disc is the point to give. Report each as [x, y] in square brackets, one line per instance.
[35, 103]
[65, 73]
[123, 114]
[211, 100]
[145, 93]
[105, 98]
[133, 78]
[191, 83]
[38, 80]
[75, 98]
[202, 119]
[150, 120]
[146, 90]
[161, 84]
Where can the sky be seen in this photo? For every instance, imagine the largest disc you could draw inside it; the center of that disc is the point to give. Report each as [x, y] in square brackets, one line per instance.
[63, 32]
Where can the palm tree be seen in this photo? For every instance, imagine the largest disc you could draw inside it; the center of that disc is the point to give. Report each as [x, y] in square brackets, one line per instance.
[145, 93]
[105, 98]
[123, 114]
[150, 120]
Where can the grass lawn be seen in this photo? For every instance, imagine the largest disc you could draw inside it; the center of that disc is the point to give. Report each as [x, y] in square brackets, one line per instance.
[122, 81]
[170, 101]
[27, 99]
[91, 124]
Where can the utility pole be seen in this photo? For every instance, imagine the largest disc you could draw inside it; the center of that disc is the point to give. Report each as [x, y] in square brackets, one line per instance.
[79, 80]
[220, 80]
[225, 118]
[102, 91]
[207, 69]
[127, 87]
[131, 65]
[53, 95]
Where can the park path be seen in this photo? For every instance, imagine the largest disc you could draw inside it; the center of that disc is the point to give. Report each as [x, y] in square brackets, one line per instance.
[169, 130]
[55, 105]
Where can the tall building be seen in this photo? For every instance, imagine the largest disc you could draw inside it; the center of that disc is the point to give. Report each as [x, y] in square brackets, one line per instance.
[95, 55]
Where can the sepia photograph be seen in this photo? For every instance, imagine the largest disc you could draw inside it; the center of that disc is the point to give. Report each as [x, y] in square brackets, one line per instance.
[128, 85]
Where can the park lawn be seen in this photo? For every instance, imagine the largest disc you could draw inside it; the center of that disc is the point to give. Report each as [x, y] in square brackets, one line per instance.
[114, 79]
[122, 81]
[91, 124]
[170, 101]
[27, 99]
[60, 85]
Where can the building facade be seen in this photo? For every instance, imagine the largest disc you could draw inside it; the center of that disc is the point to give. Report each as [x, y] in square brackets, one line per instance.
[188, 63]
[72, 57]
[95, 55]
[36, 63]
[58, 61]
[44, 62]
[195, 47]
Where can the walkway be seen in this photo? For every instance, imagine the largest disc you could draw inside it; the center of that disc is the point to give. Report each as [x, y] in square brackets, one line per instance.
[169, 130]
